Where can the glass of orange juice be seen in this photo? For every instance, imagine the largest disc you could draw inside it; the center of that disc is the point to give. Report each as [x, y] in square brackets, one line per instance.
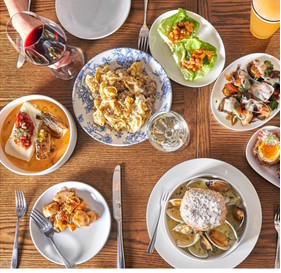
[265, 18]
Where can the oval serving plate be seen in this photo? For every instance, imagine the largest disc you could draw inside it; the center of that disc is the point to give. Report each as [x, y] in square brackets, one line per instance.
[269, 173]
[83, 104]
[161, 52]
[217, 94]
[194, 168]
[83, 243]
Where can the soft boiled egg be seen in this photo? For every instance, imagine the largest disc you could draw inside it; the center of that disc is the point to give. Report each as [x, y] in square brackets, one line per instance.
[267, 148]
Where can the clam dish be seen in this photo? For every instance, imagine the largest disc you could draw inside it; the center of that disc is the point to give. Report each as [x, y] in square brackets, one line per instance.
[205, 217]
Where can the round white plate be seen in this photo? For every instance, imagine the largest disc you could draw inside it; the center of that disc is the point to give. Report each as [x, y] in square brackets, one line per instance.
[82, 244]
[162, 53]
[269, 173]
[217, 94]
[92, 19]
[180, 174]
[83, 104]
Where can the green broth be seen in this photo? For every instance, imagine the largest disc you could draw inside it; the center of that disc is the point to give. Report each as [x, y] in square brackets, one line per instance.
[232, 195]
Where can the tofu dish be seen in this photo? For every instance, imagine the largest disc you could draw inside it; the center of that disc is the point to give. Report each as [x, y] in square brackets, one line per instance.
[35, 135]
[251, 94]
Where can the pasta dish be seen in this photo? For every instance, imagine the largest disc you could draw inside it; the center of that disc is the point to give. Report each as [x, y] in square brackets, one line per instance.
[123, 98]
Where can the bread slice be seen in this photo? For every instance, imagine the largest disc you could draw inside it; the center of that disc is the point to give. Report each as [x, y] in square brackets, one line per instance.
[203, 209]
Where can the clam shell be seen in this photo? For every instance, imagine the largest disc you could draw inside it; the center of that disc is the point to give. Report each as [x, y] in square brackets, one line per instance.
[184, 241]
[197, 250]
[175, 202]
[182, 228]
[205, 243]
[174, 213]
[218, 185]
[219, 239]
[198, 183]
[239, 215]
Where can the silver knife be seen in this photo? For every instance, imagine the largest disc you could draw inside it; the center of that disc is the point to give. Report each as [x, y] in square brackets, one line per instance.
[21, 59]
[117, 214]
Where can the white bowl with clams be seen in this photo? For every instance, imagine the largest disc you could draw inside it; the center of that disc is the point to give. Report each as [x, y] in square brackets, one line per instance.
[224, 252]
[4, 113]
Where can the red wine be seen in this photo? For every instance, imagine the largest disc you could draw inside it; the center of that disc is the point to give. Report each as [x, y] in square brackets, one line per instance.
[44, 45]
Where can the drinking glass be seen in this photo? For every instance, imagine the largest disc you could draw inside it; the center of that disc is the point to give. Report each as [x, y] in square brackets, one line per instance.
[265, 18]
[168, 131]
[44, 43]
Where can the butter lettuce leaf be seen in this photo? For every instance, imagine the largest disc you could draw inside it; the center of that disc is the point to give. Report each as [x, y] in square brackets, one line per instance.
[183, 50]
[167, 24]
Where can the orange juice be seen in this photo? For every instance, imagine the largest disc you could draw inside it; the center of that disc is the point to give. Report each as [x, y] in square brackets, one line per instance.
[265, 18]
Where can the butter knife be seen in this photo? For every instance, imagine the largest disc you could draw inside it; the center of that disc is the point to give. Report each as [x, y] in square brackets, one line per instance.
[21, 58]
[117, 214]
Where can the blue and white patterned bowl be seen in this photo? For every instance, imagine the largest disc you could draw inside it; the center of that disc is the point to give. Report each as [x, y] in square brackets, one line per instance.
[118, 57]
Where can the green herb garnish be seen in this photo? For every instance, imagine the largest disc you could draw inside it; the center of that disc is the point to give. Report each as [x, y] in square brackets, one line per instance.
[206, 60]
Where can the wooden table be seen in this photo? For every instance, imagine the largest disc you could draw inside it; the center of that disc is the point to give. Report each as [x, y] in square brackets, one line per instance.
[93, 162]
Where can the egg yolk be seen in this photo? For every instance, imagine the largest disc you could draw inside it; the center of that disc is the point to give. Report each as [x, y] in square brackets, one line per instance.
[269, 152]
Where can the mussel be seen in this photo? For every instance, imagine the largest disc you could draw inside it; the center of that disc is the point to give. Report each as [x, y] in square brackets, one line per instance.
[55, 125]
[43, 145]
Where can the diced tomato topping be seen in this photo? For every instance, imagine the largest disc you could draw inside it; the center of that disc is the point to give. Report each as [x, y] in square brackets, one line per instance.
[23, 130]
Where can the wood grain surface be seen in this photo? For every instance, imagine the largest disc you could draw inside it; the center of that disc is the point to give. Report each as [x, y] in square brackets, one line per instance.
[93, 162]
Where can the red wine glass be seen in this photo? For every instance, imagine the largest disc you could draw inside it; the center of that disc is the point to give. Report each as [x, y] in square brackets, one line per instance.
[44, 43]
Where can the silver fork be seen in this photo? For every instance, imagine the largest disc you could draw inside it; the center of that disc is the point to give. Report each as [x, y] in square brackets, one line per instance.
[144, 32]
[20, 210]
[47, 229]
[163, 200]
[277, 227]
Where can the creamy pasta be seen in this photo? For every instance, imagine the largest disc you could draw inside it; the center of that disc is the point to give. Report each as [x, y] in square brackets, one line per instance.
[123, 98]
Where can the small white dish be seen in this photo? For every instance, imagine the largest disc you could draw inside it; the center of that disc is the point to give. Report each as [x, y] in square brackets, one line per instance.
[83, 243]
[83, 103]
[217, 94]
[92, 19]
[162, 53]
[72, 138]
[269, 173]
[182, 173]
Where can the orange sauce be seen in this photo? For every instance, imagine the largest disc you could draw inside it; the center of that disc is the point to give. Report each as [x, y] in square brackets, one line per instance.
[60, 145]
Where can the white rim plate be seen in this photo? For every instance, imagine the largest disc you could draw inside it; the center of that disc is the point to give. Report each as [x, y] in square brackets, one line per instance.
[162, 53]
[180, 174]
[269, 173]
[83, 103]
[217, 95]
[92, 19]
[82, 244]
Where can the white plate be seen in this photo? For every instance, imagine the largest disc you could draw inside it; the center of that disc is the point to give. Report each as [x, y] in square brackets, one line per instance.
[92, 19]
[83, 103]
[180, 174]
[82, 244]
[217, 94]
[269, 173]
[162, 53]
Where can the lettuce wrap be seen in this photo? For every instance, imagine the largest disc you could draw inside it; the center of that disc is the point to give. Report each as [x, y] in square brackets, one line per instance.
[167, 25]
[185, 48]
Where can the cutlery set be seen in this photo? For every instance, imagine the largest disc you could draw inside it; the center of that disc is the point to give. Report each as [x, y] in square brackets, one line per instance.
[46, 227]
